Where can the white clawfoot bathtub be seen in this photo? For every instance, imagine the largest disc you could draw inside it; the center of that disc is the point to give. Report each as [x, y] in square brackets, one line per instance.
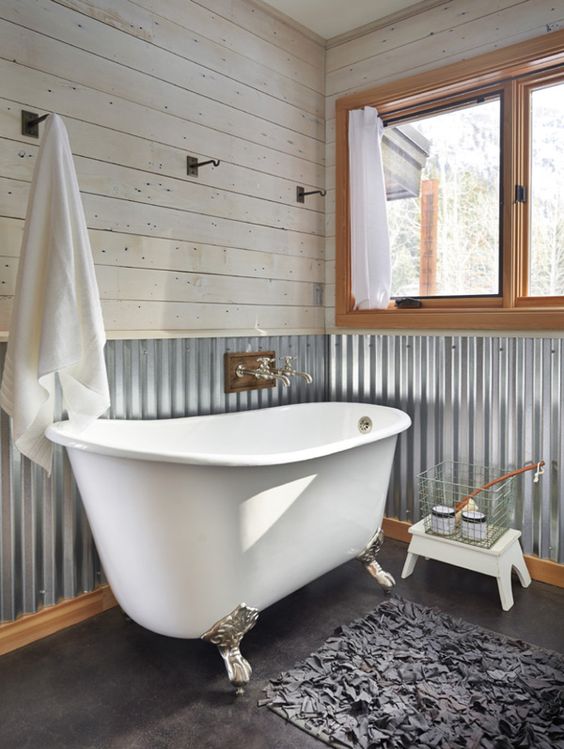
[194, 516]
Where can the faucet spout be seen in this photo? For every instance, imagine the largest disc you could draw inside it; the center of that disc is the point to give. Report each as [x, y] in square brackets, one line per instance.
[304, 375]
[288, 370]
[282, 377]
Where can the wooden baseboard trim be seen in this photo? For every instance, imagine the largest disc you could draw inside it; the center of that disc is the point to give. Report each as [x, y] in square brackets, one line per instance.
[396, 529]
[542, 570]
[545, 571]
[31, 627]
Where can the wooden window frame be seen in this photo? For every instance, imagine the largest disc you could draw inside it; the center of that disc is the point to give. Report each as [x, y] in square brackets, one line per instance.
[514, 71]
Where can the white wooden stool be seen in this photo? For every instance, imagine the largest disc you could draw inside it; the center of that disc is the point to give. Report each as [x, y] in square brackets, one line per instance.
[497, 561]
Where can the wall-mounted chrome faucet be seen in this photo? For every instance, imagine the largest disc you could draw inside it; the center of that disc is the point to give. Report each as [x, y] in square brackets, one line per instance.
[249, 371]
[264, 371]
[289, 371]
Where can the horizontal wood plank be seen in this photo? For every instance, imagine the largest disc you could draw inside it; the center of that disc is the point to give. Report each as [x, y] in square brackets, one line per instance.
[109, 145]
[284, 102]
[153, 220]
[262, 23]
[136, 251]
[197, 19]
[33, 50]
[448, 16]
[95, 177]
[466, 40]
[457, 56]
[49, 93]
[117, 283]
[186, 317]
[197, 37]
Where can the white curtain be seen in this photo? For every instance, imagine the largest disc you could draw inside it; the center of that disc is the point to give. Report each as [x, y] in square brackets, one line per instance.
[370, 244]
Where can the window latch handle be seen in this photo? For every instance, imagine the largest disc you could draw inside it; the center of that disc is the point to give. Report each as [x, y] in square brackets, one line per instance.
[408, 302]
[520, 194]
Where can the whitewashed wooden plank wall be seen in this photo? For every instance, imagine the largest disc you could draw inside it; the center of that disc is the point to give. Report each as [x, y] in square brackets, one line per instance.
[141, 85]
[452, 31]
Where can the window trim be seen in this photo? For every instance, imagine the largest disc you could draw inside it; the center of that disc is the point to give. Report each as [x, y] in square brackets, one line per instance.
[509, 70]
[525, 87]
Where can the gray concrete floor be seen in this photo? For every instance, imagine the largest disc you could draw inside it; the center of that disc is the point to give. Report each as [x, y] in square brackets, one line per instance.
[110, 684]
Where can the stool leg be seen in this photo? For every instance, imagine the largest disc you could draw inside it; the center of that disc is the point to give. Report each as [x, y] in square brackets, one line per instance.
[518, 561]
[504, 586]
[409, 566]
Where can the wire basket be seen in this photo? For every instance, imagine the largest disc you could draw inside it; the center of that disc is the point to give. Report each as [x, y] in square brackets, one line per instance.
[482, 524]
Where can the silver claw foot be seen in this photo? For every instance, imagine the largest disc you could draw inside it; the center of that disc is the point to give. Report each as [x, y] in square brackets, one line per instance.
[368, 559]
[227, 634]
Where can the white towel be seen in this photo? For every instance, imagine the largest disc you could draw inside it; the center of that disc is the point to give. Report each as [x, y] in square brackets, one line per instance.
[56, 324]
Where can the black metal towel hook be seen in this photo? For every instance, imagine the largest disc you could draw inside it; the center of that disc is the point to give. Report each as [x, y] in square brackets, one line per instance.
[30, 123]
[301, 193]
[192, 165]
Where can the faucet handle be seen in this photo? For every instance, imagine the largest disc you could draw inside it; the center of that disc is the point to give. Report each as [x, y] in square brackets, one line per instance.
[288, 362]
[265, 361]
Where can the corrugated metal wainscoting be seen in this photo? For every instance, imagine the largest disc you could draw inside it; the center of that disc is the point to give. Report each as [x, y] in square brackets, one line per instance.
[497, 401]
[46, 549]
[485, 400]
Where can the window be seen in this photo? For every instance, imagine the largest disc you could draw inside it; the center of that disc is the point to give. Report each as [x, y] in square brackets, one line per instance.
[474, 169]
[546, 271]
[445, 226]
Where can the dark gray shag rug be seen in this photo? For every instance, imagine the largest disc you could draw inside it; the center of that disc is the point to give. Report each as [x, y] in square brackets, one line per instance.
[408, 676]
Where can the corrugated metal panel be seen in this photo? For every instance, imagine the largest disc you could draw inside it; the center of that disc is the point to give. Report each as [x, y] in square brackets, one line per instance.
[486, 400]
[496, 401]
[46, 548]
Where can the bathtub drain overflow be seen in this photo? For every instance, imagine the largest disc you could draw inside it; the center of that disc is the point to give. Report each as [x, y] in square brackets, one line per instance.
[364, 425]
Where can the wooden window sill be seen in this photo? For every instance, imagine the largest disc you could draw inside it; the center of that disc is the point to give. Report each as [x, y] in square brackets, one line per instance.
[476, 319]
